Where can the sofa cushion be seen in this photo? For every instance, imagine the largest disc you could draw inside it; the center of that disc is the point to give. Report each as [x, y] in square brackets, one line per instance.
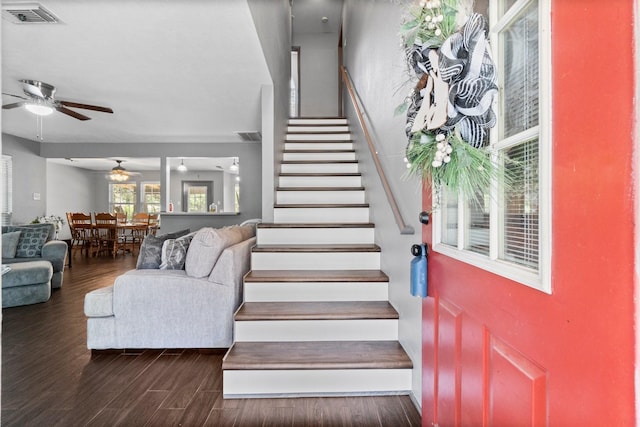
[174, 252]
[30, 241]
[99, 302]
[206, 247]
[10, 244]
[150, 256]
[28, 273]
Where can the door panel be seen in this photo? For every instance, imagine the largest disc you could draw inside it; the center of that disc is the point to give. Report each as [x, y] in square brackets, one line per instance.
[498, 353]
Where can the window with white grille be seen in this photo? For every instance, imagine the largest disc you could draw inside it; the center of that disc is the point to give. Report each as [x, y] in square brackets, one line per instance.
[506, 229]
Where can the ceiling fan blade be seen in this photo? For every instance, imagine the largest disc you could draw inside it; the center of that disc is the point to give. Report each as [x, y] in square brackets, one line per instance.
[14, 105]
[15, 96]
[72, 113]
[86, 106]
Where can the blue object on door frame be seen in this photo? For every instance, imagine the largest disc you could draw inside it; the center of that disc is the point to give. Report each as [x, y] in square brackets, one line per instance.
[419, 270]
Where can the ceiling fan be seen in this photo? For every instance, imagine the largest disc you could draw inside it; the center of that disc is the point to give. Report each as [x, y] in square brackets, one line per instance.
[120, 174]
[40, 100]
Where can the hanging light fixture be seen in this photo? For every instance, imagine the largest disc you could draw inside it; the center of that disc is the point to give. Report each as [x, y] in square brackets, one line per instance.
[118, 173]
[234, 166]
[181, 166]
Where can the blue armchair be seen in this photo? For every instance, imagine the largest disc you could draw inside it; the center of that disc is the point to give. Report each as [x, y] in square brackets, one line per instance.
[54, 251]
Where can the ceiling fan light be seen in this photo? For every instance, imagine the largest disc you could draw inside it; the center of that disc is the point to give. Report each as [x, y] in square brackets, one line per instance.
[118, 177]
[39, 109]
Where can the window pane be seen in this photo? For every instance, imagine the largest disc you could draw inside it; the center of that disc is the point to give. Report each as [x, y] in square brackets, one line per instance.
[520, 95]
[197, 198]
[151, 197]
[520, 216]
[477, 230]
[449, 203]
[123, 199]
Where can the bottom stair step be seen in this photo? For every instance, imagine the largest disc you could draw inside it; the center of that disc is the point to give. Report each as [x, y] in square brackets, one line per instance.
[270, 369]
[317, 355]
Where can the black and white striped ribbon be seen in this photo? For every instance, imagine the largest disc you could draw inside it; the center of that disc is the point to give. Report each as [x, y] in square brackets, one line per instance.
[465, 64]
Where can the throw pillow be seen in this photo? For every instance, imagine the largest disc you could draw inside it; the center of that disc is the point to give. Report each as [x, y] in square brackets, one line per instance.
[10, 244]
[150, 256]
[31, 241]
[174, 252]
[206, 247]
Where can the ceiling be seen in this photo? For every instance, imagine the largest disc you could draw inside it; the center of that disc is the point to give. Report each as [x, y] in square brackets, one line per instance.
[149, 163]
[172, 71]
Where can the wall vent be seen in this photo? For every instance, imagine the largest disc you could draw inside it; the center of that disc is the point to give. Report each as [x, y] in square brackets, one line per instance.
[250, 136]
[28, 13]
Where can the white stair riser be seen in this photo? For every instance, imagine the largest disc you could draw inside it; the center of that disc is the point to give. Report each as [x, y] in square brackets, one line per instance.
[319, 168]
[316, 291]
[318, 156]
[315, 236]
[315, 260]
[320, 181]
[318, 146]
[330, 197]
[317, 330]
[312, 121]
[319, 129]
[315, 382]
[315, 215]
[344, 136]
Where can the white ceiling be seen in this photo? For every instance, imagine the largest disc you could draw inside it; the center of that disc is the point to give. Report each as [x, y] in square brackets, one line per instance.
[172, 71]
[138, 164]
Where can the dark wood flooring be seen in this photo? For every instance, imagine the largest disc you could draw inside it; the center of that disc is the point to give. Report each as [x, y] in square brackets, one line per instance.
[49, 378]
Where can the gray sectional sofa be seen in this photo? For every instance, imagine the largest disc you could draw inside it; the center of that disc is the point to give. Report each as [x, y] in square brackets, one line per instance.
[173, 305]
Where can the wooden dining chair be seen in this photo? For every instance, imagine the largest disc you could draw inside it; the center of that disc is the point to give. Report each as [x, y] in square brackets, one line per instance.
[140, 229]
[105, 234]
[81, 232]
[154, 223]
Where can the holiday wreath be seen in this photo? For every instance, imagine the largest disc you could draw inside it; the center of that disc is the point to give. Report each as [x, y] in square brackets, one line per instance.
[449, 111]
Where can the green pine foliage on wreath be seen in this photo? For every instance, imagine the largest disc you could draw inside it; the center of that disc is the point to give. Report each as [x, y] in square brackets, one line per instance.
[440, 157]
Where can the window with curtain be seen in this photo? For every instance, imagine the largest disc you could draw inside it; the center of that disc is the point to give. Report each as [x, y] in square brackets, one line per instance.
[150, 197]
[6, 170]
[500, 230]
[122, 198]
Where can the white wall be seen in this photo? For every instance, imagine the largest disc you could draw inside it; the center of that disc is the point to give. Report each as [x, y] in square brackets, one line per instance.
[29, 177]
[69, 189]
[375, 61]
[318, 74]
[272, 21]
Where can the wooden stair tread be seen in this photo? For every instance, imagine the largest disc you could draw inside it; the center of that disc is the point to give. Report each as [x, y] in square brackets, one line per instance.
[318, 151]
[321, 205]
[316, 225]
[316, 355]
[312, 276]
[318, 132]
[317, 248]
[337, 310]
[319, 188]
[318, 118]
[320, 141]
[321, 174]
[317, 162]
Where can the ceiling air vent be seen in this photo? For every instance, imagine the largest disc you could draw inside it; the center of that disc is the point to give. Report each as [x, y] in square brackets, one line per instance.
[28, 13]
[250, 136]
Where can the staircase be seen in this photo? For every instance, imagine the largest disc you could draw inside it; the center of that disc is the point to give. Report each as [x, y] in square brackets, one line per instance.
[316, 318]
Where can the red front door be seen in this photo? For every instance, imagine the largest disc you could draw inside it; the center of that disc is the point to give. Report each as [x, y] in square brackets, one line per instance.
[497, 353]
